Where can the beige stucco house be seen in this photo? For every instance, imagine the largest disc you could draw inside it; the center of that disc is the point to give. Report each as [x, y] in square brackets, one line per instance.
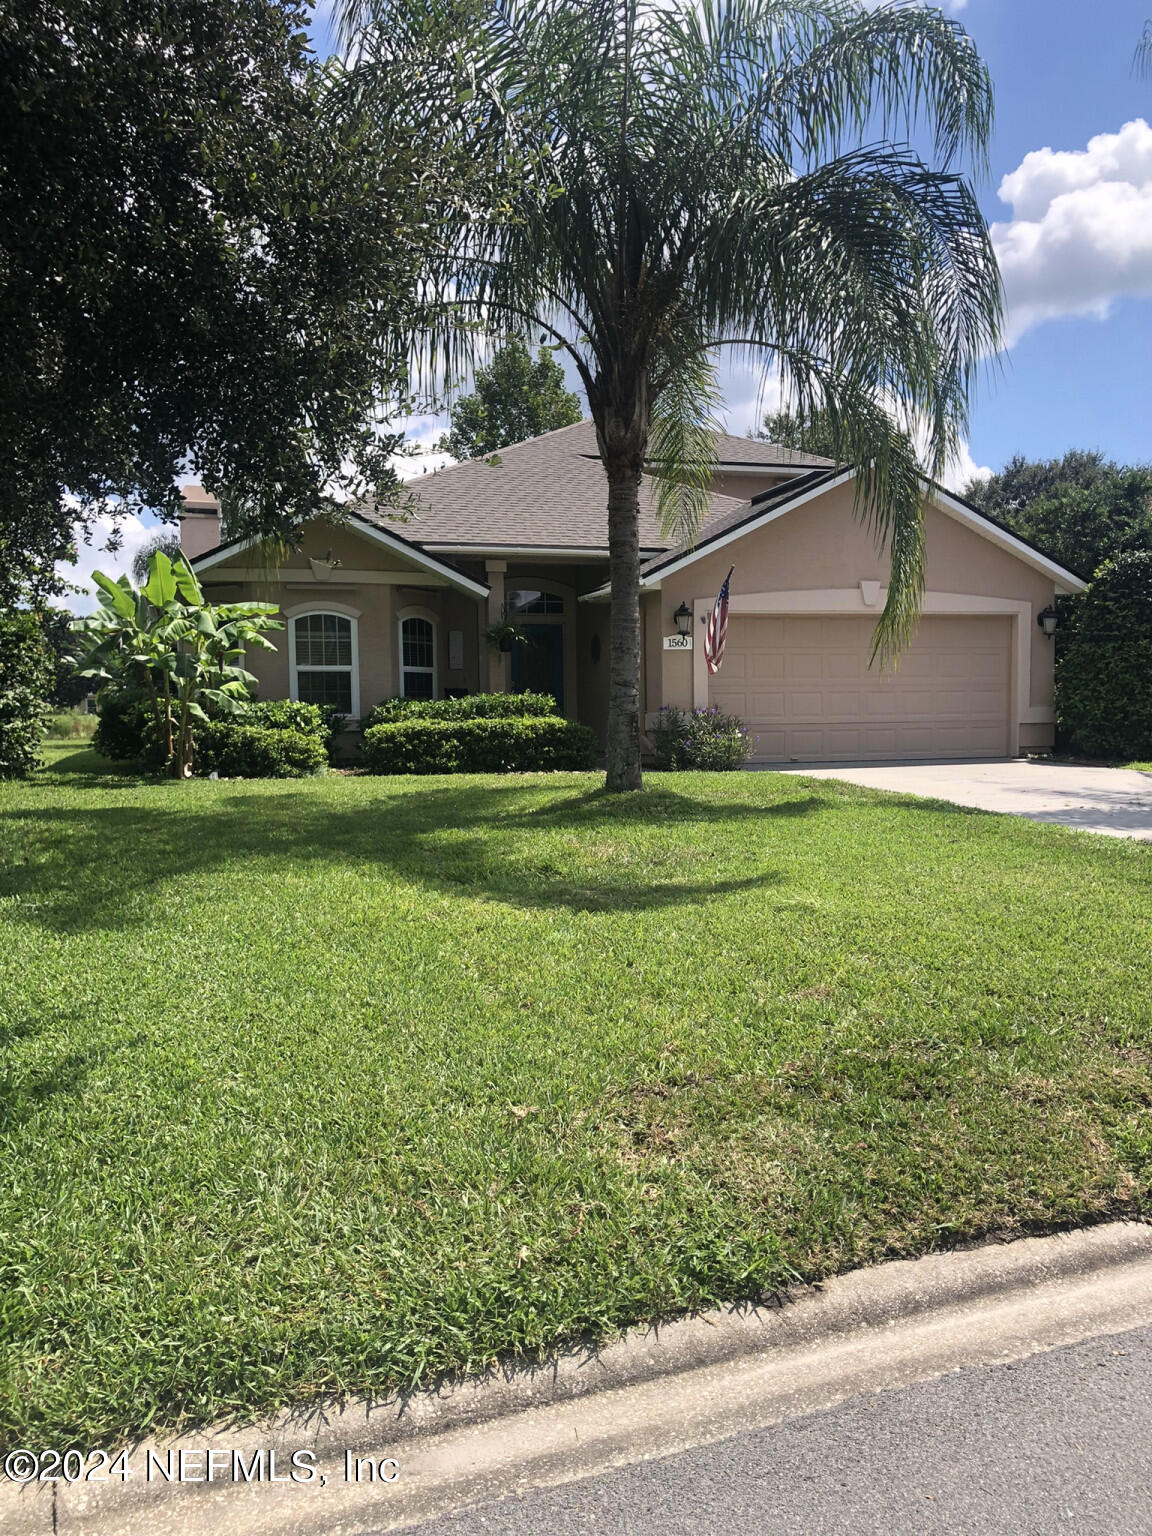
[374, 607]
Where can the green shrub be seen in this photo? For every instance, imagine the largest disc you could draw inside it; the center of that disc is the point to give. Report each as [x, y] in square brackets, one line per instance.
[531, 745]
[292, 715]
[126, 729]
[1104, 679]
[236, 751]
[477, 706]
[25, 682]
[699, 738]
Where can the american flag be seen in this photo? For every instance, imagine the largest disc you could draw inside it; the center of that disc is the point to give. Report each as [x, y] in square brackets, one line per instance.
[717, 631]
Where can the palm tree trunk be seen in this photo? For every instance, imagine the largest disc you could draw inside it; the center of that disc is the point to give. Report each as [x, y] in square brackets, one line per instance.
[623, 753]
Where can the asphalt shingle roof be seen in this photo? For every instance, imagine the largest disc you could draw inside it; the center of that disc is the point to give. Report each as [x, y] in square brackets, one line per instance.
[550, 492]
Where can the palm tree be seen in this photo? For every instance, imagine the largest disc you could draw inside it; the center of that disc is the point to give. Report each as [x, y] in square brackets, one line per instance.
[674, 177]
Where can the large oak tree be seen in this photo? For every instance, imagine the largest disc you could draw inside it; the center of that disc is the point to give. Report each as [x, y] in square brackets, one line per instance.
[202, 266]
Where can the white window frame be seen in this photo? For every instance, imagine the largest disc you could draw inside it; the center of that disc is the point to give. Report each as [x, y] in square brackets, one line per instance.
[401, 619]
[335, 611]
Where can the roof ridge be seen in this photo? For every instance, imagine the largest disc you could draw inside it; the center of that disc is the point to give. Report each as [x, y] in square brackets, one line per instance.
[483, 458]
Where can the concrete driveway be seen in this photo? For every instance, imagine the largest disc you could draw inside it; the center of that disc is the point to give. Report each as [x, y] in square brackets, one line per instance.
[1116, 801]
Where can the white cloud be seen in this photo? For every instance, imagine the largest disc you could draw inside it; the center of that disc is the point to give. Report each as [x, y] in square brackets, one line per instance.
[1081, 237]
[94, 556]
[962, 468]
[421, 433]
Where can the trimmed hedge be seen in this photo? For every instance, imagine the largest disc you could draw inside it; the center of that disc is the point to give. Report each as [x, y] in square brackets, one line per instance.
[293, 715]
[534, 744]
[257, 751]
[126, 733]
[477, 706]
[25, 683]
[1104, 681]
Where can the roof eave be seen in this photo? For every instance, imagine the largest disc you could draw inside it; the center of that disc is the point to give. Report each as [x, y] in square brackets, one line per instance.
[392, 541]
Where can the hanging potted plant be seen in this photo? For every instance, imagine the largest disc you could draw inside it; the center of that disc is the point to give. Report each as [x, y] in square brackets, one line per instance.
[504, 635]
[322, 569]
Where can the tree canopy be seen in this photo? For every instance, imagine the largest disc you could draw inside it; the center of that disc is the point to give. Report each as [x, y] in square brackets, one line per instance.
[787, 430]
[202, 266]
[514, 399]
[1082, 509]
[682, 177]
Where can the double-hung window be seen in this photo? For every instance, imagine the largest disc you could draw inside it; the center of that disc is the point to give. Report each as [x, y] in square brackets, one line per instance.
[417, 657]
[324, 661]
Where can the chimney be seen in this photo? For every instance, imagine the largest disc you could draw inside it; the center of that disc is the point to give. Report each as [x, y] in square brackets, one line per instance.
[199, 521]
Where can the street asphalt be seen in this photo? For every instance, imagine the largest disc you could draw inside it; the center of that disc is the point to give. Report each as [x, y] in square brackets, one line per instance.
[1055, 1442]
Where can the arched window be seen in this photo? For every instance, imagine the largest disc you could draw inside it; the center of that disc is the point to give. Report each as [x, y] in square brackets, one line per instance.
[417, 656]
[530, 600]
[323, 661]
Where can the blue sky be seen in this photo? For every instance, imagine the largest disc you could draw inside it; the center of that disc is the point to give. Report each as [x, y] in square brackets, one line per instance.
[1069, 198]
[1063, 76]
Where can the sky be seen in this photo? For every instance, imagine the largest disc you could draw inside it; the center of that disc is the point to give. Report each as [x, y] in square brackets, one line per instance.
[1069, 202]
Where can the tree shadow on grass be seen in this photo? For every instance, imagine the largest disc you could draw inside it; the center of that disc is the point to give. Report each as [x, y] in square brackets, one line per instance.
[96, 867]
[66, 766]
[23, 1094]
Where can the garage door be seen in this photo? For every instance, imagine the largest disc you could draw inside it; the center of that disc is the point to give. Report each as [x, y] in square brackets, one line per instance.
[804, 687]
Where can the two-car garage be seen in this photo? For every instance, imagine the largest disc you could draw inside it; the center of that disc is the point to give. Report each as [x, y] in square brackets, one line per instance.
[804, 687]
[807, 586]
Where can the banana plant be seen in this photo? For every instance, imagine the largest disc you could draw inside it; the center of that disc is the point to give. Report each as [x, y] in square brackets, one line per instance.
[183, 652]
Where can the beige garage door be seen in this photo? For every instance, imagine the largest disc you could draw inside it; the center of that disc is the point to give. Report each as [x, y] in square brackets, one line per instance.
[805, 689]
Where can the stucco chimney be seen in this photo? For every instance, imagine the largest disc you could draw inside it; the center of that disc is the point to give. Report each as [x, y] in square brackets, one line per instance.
[199, 521]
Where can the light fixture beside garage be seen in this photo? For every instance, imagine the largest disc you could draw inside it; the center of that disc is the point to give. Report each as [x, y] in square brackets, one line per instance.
[1048, 619]
[683, 618]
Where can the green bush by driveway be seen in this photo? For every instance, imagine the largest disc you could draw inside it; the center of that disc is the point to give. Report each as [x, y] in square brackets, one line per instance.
[332, 1085]
[1104, 681]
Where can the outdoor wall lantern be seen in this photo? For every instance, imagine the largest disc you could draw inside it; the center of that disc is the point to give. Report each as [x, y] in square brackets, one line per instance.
[683, 617]
[1048, 619]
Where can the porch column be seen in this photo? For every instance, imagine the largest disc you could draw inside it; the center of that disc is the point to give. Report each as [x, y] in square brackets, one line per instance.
[497, 660]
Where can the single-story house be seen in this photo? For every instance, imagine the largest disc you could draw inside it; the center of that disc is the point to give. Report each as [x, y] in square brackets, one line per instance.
[376, 608]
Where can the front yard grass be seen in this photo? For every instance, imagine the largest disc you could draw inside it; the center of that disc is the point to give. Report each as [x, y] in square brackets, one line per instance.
[339, 1084]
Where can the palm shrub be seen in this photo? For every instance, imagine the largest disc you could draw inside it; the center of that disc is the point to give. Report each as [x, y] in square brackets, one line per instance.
[673, 177]
[1104, 679]
[26, 671]
[699, 738]
[167, 645]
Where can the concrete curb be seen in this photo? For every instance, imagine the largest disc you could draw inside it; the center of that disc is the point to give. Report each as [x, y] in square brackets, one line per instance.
[803, 1315]
[687, 1383]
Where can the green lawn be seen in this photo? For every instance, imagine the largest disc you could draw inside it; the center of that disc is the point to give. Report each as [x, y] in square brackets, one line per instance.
[338, 1084]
